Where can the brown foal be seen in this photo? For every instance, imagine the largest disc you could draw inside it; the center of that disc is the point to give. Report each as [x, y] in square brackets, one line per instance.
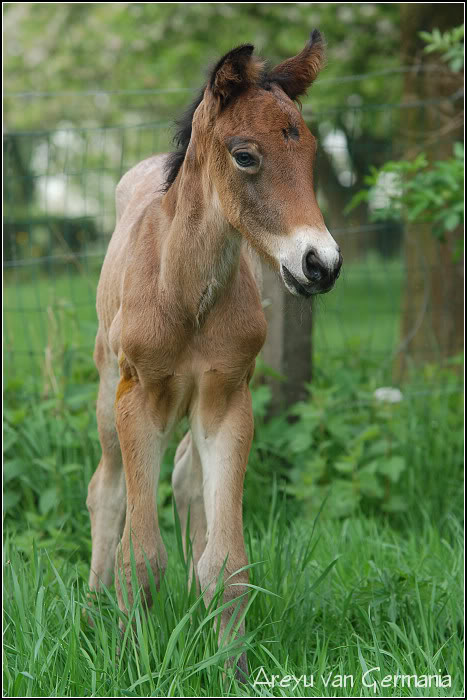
[181, 321]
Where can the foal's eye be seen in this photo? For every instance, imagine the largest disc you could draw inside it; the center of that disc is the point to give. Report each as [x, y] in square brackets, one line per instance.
[244, 159]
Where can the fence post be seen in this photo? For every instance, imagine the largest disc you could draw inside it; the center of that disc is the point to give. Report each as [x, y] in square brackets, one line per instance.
[288, 345]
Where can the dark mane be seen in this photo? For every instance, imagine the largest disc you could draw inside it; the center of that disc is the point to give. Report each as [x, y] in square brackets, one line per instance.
[181, 140]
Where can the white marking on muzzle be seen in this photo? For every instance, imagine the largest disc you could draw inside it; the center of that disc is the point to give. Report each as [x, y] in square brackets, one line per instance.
[294, 247]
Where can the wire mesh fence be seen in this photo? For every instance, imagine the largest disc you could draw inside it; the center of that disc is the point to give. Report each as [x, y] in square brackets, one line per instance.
[59, 214]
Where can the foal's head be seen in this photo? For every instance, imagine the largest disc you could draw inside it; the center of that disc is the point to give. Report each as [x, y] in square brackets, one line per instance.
[247, 136]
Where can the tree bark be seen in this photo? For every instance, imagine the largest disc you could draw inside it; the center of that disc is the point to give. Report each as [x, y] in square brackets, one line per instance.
[288, 346]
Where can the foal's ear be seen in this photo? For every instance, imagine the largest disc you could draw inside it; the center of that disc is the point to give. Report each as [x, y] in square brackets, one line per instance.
[295, 75]
[235, 72]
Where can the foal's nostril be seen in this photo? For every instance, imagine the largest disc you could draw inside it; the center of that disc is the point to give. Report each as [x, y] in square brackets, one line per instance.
[318, 273]
[312, 268]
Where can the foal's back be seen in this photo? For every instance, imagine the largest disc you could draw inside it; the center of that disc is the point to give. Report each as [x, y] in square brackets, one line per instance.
[148, 175]
[138, 190]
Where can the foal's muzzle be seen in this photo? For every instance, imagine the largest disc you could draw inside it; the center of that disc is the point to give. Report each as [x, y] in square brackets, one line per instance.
[320, 277]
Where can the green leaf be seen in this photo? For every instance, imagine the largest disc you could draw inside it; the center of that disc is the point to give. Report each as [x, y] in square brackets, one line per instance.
[369, 485]
[345, 466]
[301, 442]
[10, 437]
[344, 498]
[17, 416]
[392, 468]
[315, 469]
[458, 149]
[48, 500]
[358, 198]
[370, 468]
[13, 468]
[426, 36]
[378, 448]
[452, 221]
[10, 500]
[369, 434]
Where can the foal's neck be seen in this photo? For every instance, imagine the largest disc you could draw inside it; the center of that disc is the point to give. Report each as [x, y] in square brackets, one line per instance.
[200, 257]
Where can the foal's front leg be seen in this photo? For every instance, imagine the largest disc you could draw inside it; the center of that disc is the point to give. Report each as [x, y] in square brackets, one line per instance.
[223, 430]
[143, 441]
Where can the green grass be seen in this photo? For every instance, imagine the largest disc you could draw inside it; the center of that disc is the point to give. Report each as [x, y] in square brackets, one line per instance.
[348, 597]
[374, 588]
[373, 579]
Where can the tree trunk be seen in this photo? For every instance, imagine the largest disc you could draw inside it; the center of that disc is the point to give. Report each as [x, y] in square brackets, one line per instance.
[432, 321]
[288, 346]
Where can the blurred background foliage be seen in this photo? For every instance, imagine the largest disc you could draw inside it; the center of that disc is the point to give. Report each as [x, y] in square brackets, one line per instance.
[167, 46]
[92, 88]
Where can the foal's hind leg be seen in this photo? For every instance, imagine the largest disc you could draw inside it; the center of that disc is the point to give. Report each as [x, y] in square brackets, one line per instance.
[187, 482]
[106, 492]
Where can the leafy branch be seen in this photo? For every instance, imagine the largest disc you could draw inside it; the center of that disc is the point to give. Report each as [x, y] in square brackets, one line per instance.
[417, 190]
[450, 44]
